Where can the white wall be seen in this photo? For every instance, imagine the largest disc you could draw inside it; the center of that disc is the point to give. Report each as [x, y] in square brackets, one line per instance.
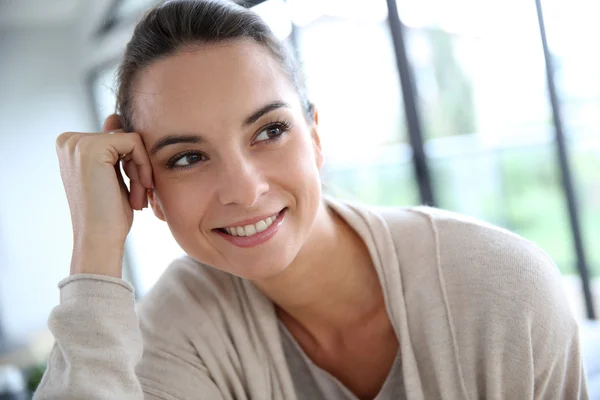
[42, 93]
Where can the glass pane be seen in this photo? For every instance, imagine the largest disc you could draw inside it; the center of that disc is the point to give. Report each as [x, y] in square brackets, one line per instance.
[586, 163]
[487, 122]
[572, 32]
[478, 72]
[346, 51]
[385, 180]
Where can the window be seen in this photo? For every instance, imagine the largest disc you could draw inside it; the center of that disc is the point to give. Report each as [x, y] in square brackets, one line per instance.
[487, 122]
[572, 31]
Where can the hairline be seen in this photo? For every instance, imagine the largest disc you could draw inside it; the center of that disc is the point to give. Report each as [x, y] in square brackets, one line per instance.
[196, 46]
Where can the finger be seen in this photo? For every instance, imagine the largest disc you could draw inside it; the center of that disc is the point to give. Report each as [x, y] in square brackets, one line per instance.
[111, 123]
[137, 196]
[122, 184]
[130, 169]
[132, 145]
[137, 191]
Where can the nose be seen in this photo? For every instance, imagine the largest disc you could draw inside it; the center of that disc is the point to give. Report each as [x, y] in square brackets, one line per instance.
[241, 182]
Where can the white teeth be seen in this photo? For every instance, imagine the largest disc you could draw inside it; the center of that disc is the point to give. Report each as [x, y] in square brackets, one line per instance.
[261, 226]
[253, 229]
[250, 230]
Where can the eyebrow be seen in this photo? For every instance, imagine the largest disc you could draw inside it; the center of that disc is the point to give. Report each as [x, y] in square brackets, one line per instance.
[255, 116]
[252, 118]
[175, 139]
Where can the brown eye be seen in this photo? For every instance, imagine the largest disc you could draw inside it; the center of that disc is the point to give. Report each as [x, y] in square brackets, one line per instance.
[271, 132]
[186, 160]
[274, 131]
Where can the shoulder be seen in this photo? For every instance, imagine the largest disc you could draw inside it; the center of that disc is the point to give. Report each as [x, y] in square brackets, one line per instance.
[504, 295]
[482, 265]
[468, 245]
[494, 272]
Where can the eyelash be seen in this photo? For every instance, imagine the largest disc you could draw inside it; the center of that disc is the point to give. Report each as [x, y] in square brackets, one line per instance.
[173, 160]
[283, 125]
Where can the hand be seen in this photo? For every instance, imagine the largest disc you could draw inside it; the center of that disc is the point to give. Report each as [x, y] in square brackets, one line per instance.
[101, 206]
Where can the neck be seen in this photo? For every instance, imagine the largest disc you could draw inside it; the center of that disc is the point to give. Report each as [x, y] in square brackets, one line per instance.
[331, 285]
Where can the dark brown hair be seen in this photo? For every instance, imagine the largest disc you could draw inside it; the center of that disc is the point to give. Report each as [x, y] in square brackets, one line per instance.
[175, 24]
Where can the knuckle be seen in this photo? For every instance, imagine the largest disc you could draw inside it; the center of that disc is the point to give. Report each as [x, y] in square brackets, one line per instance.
[83, 143]
[139, 143]
[78, 146]
[82, 146]
[66, 142]
[135, 137]
[62, 139]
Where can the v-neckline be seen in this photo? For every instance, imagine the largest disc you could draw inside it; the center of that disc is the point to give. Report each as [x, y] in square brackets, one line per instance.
[315, 368]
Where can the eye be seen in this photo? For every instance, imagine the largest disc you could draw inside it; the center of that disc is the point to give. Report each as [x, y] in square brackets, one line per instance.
[185, 160]
[272, 132]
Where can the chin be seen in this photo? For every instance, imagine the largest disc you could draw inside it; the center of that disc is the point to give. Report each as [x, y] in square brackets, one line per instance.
[267, 270]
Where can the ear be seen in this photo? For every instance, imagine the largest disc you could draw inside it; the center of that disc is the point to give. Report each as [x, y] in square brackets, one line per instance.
[316, 138]
[155, 204]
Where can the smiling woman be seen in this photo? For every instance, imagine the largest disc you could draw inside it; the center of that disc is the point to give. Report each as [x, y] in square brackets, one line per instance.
[282, 294]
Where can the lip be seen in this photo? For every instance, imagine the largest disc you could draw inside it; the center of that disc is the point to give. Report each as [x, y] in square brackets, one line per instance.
[258, 238]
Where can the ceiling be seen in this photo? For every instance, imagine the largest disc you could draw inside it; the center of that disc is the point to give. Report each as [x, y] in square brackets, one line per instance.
[38, 13]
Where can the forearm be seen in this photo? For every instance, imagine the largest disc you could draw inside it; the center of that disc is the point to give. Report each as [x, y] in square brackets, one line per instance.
[98, 342]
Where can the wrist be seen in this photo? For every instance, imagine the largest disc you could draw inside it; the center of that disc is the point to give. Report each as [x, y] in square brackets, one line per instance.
[97, 257]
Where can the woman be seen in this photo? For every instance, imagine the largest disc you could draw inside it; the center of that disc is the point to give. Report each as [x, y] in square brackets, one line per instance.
[283, 294]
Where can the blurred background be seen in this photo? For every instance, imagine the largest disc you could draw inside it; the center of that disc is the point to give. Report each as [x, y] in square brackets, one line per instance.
[488, 108]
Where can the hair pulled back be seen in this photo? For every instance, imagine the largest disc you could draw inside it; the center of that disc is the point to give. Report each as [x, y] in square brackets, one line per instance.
[176, 24]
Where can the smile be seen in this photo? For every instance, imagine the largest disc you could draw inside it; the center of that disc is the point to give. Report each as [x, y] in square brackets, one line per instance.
[251, 229]
[253, 234]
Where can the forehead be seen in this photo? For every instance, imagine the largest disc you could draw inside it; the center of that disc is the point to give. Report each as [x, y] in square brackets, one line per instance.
[210, 84]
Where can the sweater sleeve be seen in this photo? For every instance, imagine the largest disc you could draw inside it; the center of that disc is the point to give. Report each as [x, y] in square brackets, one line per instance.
[97, 341]
[98, 346]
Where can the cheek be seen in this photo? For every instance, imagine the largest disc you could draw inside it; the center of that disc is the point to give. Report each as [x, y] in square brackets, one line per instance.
[307, 163]
[298, 161]
[184, 199]
[184, 204]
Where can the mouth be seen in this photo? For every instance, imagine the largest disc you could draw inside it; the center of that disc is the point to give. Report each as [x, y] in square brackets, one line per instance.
[253, 234]
[251, 229]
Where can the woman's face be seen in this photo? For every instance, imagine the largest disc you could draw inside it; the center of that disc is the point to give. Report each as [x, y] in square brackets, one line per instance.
[230, 147]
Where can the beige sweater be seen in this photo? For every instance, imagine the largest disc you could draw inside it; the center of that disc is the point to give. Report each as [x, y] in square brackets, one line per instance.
[479, 313]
